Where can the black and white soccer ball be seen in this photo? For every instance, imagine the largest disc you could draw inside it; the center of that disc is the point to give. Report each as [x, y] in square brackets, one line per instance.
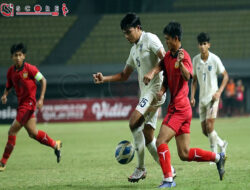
[124, 152]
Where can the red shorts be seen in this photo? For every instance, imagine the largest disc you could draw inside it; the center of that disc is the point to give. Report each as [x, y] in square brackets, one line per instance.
[24, 114]
[178, 120]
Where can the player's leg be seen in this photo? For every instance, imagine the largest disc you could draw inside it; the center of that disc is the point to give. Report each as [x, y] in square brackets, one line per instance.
[165, 135]
[150, 141]
[136, 124]
[14, 128]
[192, 154]
[203, 113]
[214, 138]
[212, 135]
[148, 131]
[199, 155]
[43, 137]
[136, 127]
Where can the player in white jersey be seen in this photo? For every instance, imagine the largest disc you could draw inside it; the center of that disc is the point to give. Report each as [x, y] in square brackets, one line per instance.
[207, 66]
[146, 52]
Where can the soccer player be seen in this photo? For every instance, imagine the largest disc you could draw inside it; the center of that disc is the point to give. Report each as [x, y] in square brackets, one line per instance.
[207, 67]
[146, 52]
[22, 76]
[178, 71]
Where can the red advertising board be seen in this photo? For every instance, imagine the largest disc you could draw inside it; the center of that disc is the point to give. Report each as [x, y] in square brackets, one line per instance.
[86, 110]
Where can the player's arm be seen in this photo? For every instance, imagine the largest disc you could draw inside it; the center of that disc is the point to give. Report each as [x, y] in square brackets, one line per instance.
[193, 90]
[151, 74]
[8, 88]
[5, 94]
[161, 53]
[122, 76]
[218, 93]
[39, 77]
[184, 71]
[162, 90]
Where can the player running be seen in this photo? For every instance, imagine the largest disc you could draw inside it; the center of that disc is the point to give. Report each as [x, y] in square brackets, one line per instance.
[178, 70]
[23, 76]
[207, 67]
[146, 52]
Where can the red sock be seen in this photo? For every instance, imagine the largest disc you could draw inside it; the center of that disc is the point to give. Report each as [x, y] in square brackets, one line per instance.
[165, 160]
[199, 155]
[44, 138]
[8, 149]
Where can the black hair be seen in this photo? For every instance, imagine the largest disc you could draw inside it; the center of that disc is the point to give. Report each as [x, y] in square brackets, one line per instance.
[203, 37]
[130, 20]
[18, 47]
[173, 29]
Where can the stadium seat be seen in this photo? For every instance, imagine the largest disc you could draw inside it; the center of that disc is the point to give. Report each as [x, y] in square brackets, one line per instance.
[106, 44]
[40, 34]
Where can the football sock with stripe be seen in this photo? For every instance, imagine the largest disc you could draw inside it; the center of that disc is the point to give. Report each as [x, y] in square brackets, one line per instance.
[8, 149]
[165, 162]
[199, 155]
[44, 138]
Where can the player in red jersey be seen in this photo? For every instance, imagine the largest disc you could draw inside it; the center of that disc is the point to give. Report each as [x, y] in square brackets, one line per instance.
[23, 76]
[178, 70]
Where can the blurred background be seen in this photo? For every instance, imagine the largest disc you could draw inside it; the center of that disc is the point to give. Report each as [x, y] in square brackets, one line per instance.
[69, 49]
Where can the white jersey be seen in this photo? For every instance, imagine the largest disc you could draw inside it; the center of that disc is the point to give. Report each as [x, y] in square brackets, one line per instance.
[143, 57]
[206, 73]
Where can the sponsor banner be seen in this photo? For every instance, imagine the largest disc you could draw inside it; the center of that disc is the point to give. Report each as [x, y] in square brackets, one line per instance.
[7, 113]
[86, 110]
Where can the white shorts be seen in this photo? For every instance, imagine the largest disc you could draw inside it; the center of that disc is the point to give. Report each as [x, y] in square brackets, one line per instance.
[208, 111]
[148, 107]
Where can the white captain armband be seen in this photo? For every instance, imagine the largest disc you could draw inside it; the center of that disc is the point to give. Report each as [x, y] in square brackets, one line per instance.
[38, 76]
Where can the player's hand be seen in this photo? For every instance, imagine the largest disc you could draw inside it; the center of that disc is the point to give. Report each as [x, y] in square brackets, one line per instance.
[216, 96]
[98, 78]
[147, 78]
[180, 55]
[159, 95]
[39, 104]
[192, 102]
[4, 99]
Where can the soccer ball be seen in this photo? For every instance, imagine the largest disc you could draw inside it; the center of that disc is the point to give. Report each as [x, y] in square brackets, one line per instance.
[124, 152]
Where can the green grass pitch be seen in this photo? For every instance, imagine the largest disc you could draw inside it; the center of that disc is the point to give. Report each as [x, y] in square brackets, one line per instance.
[88, 160]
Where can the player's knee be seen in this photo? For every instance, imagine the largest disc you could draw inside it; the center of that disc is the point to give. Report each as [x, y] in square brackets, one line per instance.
[149, 136]
[183, 155]
[135, 123]
[12, 132]
[159, 141]
[32, 134]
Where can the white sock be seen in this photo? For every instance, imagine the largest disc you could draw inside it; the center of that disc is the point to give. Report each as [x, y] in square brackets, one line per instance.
[153, 150]
[168, 179]
[217, 158]
[213, 141]
[220, 142]
[139, 142]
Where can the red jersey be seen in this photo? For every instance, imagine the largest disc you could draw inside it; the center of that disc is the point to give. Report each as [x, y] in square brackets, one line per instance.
[178, 87]
[24, 82]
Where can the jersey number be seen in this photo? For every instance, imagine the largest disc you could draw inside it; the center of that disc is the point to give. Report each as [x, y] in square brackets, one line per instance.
[143, 102]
